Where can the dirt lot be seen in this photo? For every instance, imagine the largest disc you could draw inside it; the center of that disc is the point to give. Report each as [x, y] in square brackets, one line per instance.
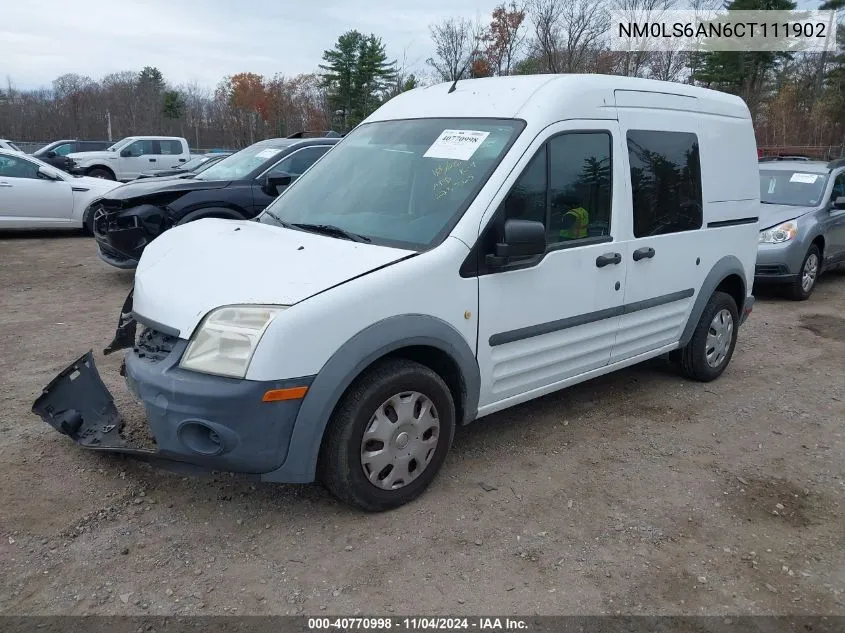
[636, 493]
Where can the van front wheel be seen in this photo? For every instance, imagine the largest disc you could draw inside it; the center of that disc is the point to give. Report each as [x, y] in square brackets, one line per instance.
[709, 351]
[388, 436]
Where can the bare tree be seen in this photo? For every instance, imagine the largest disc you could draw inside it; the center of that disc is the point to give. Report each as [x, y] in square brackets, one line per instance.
[636, 63]
[583, 25]
[546, 20]
[455, 45]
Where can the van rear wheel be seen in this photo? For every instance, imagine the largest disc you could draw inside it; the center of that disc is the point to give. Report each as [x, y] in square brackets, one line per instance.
[712, 345]
[388, 436]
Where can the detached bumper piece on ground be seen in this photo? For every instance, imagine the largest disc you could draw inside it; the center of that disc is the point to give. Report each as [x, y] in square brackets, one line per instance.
[203, 422]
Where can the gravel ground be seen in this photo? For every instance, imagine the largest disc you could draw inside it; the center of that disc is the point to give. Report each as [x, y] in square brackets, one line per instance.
[636, 493]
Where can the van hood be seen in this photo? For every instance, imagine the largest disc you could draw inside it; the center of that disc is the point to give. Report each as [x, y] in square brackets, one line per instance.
[774, 214]
[148, 186]
[82, 156]
[194, 268]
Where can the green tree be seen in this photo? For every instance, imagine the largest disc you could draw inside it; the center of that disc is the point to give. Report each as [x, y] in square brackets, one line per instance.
[357, 76]
[173, 106]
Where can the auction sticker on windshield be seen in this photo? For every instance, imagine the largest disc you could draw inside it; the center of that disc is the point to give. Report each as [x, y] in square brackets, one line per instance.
[807, 179]
[456, 144]
[267, 153]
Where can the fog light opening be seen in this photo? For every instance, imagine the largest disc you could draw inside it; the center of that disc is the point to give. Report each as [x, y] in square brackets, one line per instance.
[201, 438]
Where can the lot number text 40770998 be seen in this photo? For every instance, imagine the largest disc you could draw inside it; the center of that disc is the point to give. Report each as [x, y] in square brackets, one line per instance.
[417, 623]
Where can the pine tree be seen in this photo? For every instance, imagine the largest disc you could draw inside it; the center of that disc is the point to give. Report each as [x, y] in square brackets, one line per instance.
[357, 76]
[743, 73]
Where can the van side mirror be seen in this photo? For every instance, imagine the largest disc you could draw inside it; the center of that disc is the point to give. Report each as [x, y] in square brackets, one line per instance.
[523, 239]
[125, 153]
[839, 203]
[50, 154]
[275, 179]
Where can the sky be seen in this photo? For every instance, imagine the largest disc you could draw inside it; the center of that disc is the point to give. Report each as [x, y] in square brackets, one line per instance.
[204, 40]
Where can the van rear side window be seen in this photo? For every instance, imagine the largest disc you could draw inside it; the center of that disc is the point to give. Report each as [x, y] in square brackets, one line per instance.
[665, 182]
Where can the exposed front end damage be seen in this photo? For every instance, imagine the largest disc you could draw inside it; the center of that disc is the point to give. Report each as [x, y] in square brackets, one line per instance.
[76, 403]
[203, 421]
[122, 232]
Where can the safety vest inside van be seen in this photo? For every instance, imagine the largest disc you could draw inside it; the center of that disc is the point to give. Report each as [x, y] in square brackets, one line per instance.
[578, 229]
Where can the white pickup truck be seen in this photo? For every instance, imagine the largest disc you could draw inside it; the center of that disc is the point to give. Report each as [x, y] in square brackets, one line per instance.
[130, 157]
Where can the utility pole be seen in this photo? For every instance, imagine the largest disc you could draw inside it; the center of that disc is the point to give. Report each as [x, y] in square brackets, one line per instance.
[108, 119]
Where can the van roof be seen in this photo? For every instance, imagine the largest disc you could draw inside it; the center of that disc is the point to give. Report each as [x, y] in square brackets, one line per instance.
[542, 99]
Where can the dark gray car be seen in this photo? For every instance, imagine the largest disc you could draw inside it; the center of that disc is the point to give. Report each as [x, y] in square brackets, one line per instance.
[802, 223]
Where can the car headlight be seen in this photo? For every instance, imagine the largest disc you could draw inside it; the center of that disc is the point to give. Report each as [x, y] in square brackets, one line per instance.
[226, 339]
[780, 233]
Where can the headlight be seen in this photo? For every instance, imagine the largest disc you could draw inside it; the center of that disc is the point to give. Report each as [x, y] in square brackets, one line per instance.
[226, 339]
[780, 233]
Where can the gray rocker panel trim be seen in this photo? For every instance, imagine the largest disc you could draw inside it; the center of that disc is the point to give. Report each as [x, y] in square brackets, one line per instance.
[347, 363]
[728, 265]
[530, 331]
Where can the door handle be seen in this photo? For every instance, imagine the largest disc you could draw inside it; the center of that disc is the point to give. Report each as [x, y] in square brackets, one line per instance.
[608, 258]
[643, 253]
[152, 160]
[5, 184]
[181, 160]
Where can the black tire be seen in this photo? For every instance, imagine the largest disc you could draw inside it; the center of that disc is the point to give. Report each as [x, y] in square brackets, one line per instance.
[341, 465]
[797, 290]
[99, 172]
[693, 357]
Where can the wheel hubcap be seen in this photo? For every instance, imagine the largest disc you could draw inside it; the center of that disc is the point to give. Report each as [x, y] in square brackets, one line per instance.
[400, 440]
[808, 275]
[719, 338]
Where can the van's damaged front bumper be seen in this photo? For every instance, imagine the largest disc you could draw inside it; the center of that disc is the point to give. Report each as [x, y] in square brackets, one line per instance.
[209, 422]
[76, 403]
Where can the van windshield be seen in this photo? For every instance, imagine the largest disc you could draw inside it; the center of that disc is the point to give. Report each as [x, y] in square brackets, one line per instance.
[397, 183]
[794, 188]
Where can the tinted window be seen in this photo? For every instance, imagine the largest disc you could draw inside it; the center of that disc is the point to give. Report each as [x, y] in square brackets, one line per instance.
[574, 201]
[579, 186]
[794, 188]
[170, 147]
[527, 199]
[13, 167]
[300, 160]
[139, 148]
[665, 182]
[91, 146]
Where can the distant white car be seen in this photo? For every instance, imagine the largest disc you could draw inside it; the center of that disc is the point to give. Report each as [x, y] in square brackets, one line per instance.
[8, 145]
[34, 194]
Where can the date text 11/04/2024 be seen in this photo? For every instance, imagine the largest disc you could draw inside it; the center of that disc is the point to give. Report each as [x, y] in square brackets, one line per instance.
[415, 624]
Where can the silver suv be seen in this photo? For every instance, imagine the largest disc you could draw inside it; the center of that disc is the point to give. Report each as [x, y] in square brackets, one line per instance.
[802, 223]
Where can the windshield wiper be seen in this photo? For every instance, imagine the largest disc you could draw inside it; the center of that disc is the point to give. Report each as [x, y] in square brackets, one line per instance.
[329, 229]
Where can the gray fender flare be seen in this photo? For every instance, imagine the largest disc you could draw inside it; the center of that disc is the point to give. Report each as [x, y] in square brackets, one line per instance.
[728, 265]
[347, 363]
[216, 211]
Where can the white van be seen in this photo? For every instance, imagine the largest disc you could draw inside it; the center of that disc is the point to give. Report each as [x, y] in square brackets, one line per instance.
[460, 252]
